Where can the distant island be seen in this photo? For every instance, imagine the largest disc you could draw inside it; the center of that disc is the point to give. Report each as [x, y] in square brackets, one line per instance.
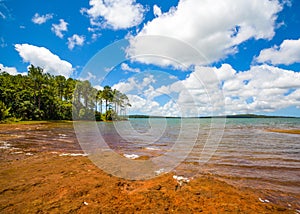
[225, 116]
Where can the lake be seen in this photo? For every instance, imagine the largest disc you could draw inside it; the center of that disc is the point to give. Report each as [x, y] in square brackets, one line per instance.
[239, 148]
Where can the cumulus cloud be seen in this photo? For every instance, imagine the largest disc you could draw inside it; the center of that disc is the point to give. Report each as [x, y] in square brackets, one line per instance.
[75, 40]
[215, 91]
[42, 57]
[214, 28]
[261, 89]
[133, 84]
[126, 67]
[40, 19]
[287, 53]
[156, 10]
[58, 29]
[10, 70]
[115, 14]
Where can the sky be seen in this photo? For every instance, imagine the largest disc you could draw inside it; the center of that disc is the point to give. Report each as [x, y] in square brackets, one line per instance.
[171, 58]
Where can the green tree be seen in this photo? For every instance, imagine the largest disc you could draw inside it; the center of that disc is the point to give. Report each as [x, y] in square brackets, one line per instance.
[37, 77]
[4, 111]
[42, 96]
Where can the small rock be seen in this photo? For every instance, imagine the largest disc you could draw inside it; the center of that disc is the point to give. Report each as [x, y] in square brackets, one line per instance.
[281, 209]
[85, 203]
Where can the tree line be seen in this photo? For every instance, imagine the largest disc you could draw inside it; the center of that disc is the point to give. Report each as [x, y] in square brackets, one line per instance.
[42, 96]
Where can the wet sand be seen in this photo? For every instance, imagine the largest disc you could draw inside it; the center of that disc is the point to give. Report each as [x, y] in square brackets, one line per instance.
[287, 131]
[43, 177]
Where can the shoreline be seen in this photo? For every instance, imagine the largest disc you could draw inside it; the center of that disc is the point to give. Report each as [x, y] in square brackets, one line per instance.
[49, 175]
[286, 131]
[48, 182]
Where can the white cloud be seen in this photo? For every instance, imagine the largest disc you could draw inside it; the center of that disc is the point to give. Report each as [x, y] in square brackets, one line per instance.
[10, 70]
[261, 89]
[42, 57]
[88, 77]
[40, 19]
[211, 90]
[287, 53]
[134, 84]
[125, 67]
[58, 29]
[156, 10]
[115, 14]
[214, 28]
[95, 32]
[75, 40]
[98, 87]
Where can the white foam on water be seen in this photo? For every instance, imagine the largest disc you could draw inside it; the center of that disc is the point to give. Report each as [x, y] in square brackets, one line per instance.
[15, 153]
[132, 156]
[160, 171]
[5, 145]
[62, 135]
[151, 148]
[73, 154]
[264, 201]
[181, 180]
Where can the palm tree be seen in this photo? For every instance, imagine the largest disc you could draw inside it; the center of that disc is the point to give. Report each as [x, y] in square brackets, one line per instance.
[107, 95]
[117, 99]
[99, 98]
[123, 102]
[60, 84]
[36, 75]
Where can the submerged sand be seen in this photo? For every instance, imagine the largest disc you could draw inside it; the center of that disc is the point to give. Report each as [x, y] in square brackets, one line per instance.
[287, 131]
[38, 181]
[64, 184]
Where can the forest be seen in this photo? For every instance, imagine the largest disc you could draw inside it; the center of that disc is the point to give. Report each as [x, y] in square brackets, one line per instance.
[42, 96]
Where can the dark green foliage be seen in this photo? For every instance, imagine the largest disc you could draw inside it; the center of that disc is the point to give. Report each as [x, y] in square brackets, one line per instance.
[4, 111]
[41, 96]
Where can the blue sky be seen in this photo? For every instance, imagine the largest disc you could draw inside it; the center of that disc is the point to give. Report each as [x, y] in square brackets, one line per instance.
[174, 58]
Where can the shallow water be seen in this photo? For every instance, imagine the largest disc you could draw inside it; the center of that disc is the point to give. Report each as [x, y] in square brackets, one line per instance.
[246, 154]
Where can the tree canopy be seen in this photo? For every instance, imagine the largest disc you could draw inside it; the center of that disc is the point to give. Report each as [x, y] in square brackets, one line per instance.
[42, 96]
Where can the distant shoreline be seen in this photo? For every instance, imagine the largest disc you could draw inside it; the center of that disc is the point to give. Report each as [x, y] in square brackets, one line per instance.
[240, 116]
[208, 117]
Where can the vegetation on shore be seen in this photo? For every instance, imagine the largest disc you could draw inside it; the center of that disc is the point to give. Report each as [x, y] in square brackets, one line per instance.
[42, 96]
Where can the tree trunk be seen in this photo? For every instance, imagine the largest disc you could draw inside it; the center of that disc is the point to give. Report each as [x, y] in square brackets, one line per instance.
[100, 106]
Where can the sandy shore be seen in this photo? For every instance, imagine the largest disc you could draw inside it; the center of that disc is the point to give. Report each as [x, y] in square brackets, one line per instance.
[287, 131]
[62, 184]
[37, 181]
